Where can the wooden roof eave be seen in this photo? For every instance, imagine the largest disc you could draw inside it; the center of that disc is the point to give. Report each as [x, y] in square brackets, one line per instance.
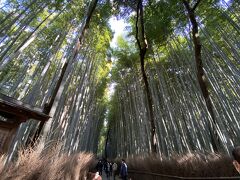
[21, 110]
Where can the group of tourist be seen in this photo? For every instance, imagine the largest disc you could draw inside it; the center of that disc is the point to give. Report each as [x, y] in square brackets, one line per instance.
[110, 169]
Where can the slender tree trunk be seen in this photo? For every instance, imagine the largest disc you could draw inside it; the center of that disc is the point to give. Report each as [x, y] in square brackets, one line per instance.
[48, 108]
[17, 34]
[142, 44]
[201, 77]
[23, 45]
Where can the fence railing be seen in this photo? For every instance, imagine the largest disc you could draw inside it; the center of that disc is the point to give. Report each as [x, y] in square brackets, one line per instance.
[157, 176]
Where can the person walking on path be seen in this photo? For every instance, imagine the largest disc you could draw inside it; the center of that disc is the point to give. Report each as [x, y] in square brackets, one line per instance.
[107, 168]
[100, 167]
[114, 167]
[110, 169]
[123, 170]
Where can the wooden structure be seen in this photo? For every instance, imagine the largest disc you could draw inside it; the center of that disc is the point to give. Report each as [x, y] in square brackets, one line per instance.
[12, 114]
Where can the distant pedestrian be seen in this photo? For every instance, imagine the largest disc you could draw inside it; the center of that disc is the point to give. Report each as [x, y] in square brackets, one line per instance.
[99, 167]
[114, 167]
[123, 170]
[107, 168]
[110, 169]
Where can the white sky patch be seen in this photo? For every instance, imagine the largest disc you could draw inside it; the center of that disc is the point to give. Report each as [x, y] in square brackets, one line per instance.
[2, 2]
[224, 3]
[118, 27]
[111, 89]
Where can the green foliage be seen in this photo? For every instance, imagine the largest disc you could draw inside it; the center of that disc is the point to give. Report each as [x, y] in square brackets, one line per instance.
[125, 53]
[160, 18]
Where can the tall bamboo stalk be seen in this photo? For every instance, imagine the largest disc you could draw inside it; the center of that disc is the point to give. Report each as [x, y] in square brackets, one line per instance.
[142, 45]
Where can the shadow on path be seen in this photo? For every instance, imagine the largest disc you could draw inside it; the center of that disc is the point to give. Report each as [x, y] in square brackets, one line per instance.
[104, 177]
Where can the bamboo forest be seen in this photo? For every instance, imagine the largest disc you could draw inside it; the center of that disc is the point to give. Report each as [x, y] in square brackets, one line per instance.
[88, 83]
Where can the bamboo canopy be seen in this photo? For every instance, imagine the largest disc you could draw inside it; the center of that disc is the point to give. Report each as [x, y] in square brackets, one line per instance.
[175, 75]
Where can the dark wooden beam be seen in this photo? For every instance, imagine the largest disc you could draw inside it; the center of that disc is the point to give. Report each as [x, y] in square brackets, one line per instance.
[22, 111]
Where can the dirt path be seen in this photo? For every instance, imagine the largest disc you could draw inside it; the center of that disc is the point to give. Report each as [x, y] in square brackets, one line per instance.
[104, 177]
